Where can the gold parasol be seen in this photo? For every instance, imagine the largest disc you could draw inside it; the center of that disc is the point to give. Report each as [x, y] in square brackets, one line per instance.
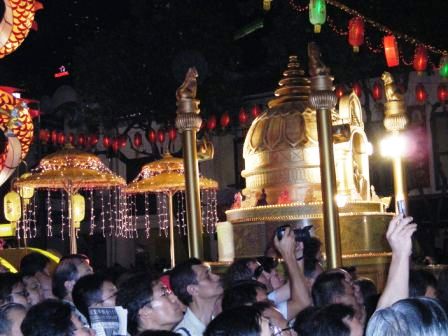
[165, 176]
[71, 169]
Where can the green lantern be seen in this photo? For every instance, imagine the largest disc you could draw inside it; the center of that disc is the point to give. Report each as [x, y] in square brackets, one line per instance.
[443, 70]
[318, 13]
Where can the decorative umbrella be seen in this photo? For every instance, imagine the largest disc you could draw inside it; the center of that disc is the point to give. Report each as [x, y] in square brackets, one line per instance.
[71, 170]
[167, 177]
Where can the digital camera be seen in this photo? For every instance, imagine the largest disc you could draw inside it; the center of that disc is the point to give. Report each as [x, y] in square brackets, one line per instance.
[301, 235]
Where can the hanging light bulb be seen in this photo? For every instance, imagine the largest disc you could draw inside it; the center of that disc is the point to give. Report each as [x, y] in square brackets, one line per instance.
[317, 14]
[356, 32]
[391, 51]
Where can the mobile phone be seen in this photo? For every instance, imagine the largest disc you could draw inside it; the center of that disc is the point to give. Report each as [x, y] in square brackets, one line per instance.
[401, 207]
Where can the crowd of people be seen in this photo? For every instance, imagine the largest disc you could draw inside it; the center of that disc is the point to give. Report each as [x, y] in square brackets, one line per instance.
[251, 298]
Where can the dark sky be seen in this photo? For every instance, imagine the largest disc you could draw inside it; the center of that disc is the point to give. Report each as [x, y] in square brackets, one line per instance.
[178, 31]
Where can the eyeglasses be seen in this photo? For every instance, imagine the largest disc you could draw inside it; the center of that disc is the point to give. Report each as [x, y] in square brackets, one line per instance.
[165, 292]
[258, 272]
[108, 298]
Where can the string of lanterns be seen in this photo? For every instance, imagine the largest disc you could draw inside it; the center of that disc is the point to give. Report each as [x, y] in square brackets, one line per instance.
[356, 35]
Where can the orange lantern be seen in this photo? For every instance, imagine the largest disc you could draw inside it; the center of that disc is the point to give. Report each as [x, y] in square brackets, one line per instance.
[391, 51]
[356, 33]
[420, 93]
[420, 59]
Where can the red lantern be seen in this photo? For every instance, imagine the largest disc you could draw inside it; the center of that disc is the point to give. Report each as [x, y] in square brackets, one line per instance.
[71, 139]
[88, 139]
[115, 144]
[391, 51]
[357, 89]
[255, 111]
[93, 140]
[152, 136]
[106, 141]
[54, 137]
[33, 113]
[122, 140]
[61, 138]
[138, 140]
[339, 91]
[160, 136]
[225, 120]
[420, 93]
[442, 93]
[172, 133]
[377, 91]
[420, 59]
[356, 33]
[211, 123]
[44, 135]
[81, 139]
[242, 116]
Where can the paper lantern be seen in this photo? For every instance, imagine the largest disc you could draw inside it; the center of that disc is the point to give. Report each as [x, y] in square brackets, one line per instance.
[44, 135]
[172, 133]
[122, 140]
[71, 139]
[357, 89]
[138, 140]
[317, 13]
[443, 69]
[93, 140]
[115, 144]
[391, 51]
[106, 141]
[442, 93]
[61, 138]
[152, 136]
[160, 136]
[225, 120]
[377, 91]
[242, 116]
[356, 32]
[339, 91]
[54, 137]
[255, 110]
[420, 93]
[12, 206]
[78, 209]
[211, 123]
[81, 139]
[26, 192]
[420, 59]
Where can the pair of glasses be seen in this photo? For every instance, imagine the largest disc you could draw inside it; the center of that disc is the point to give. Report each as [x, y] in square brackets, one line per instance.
[258, 272]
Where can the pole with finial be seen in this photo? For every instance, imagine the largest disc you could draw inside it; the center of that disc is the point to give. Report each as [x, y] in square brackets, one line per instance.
[323, 100]
[188, 122]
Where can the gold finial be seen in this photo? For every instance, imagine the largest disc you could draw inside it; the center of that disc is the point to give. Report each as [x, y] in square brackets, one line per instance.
[395, 118]
[189, 87]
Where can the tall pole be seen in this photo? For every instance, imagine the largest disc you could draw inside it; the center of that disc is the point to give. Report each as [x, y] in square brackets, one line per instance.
[323, 100]
[171, 224]
[73, 246]
[188, 122]
[395, 121]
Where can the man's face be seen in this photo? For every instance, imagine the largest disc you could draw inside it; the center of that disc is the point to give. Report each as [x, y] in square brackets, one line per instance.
[208, 284]
[16, 317]
[108, 294]
[45, 284]
[32, 286]
[262, 276]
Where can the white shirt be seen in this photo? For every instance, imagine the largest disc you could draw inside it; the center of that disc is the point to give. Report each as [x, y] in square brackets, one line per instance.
[190, 325]
[281, 306]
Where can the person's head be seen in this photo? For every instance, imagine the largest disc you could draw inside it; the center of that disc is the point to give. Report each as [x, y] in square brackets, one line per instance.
[312, 249]
[13, 290]
[244, 269]
[150, 305]
[422, 283]
[303, 319]
[244, 293]
[37, 265]
[53, 318]
[193, 280]
[331, 320]
[367, 287]
[33, 288]
[11, 317]
[270, 267]
[81, 261]
[239, 321]
[413, 316]
[93, 291]
[158, 333]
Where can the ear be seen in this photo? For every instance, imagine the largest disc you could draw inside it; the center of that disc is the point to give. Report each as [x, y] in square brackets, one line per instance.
[192, 290]
[69, 284]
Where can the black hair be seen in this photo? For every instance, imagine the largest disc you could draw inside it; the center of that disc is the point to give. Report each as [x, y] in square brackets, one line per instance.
[49, 318]
[240, 321]
[76, 256]
[181, 277]
[158, 333]
[242, 293]
[64, 272]
[268, 263]
[238, 271]
[419, 281]
[7, 283]
[367, 287]
[326, 287]
[133, 294]
[87, 291]
[310, 248]
[5, 322]
[303, 318]
[32, 263]
[328, 321]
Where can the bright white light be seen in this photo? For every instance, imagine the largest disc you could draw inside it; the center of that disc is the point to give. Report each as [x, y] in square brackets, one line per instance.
[369, 148]
[16, 95]
[393, 145]
[341, 200]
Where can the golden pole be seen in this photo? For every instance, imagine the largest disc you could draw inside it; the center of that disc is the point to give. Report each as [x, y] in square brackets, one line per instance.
[395, 120]
[171, 224]
[73, 247]
[323, 100]
[188, 122]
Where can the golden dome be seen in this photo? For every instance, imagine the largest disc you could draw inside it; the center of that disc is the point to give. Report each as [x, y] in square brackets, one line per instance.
[73, 167]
